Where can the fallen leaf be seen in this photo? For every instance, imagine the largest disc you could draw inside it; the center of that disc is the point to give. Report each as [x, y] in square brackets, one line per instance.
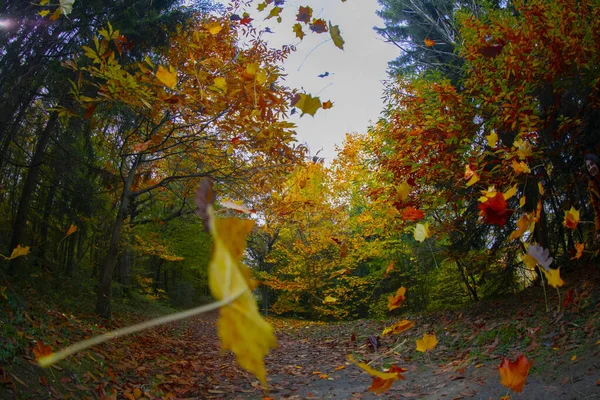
[398, 327]
[428, 342]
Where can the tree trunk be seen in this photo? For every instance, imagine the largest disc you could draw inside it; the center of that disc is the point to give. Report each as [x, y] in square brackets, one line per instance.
[106, 275]
[20, 223]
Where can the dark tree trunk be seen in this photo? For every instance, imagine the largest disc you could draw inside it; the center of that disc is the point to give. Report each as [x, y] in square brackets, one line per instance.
[18, 233]
[106, 274]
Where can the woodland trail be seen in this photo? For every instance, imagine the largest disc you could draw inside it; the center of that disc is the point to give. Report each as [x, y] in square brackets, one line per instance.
[184, 360]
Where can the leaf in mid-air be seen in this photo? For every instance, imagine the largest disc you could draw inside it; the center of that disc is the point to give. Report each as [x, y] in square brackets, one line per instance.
[304, 14]
[397, 300]
[167, 76]
[308, 104]
[553, 277]
[318, 26]
[275, 11]
[494, 210]
[66, 6]
[329, 300]
[429, 42]
[571, 218]
[398, 327]
[72, 229]
[541, 255]
[428, 342]
[334, 31]
[327, 104]
[579, 251]
[236, 206]
[422, 232]
[470, 176]
[297, 28]
[525, 223]
[520, 167]
[514, 374]
[18, 252]
[382, 381]
[241, 327]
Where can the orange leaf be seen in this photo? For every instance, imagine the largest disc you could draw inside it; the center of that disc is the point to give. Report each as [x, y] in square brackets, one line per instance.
[571, 218]
[429, 42]
[41, 350]
[397, 300]
[327, 104]
[72, 229]
[579, 247]
[412, 214]
[514, 374]
[398, 327]
[382, 381]
[318, 26]
[389, 268]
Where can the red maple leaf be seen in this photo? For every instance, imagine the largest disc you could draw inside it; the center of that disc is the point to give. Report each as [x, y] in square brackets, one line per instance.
[494, 210]
[514, 374]
[304, 14]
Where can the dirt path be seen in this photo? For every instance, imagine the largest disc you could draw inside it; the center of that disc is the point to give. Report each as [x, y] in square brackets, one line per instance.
[185, 361]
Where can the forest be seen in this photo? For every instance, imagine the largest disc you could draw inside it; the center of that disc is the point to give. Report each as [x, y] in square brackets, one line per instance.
[167, 236]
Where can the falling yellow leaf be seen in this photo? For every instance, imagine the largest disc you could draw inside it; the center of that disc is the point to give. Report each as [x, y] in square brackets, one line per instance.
[398, 327]
[553, 277]
[167, 77]
[471, 175]
[241, 327]
[72, 229]
[526, 222]
[308, 104]
[334, 31]
[520, 167]
[574, 358]
[18, 252]
[329, 300]
[522, 201]
[529, 261]
[43, 13]
[428, 342]
[524, 149]
[397, 300]
[422, 232]
[510, 192]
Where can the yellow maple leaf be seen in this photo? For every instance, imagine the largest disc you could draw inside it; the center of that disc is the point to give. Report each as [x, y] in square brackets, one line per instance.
[428, 342]
[308, 104]
[43, 13]
[241, 327]
[553, 277]
[422, 232]
[525, 223]
[471, 175]
[529, 261]
[168, 77]
[510, 192]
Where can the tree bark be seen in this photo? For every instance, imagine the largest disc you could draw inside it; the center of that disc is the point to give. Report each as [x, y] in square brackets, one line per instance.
[18, 235]
[103, 308]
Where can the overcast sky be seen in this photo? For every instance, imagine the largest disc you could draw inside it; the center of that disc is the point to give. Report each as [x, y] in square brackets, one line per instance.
[354, 84]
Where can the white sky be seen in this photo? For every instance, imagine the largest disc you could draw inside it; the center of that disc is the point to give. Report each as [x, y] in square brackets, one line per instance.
[356, 74]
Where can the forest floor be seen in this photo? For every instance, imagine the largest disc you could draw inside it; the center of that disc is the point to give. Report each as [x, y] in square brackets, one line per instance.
[184, 360]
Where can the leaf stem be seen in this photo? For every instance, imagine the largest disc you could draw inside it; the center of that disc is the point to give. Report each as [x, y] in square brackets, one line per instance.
[128, 330]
